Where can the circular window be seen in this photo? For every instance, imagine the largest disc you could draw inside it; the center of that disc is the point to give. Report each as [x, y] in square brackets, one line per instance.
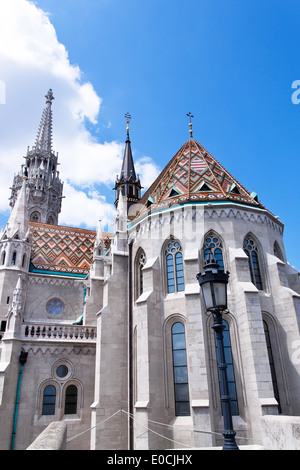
[62, 371]
[55, 307]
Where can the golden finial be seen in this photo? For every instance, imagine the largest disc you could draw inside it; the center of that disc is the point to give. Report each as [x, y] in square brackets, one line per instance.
[190, 124]
[128, 117]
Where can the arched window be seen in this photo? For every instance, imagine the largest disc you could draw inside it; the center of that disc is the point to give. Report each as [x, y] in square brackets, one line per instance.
[141, 261]
[230, 369]
[24, 260]
[271, 362]
[277, 251]
[14, 258]
[213, 244]
[3, 257]
[174, 265]
[251, 251]
[181, 385]
[71, 400]
[49, 397]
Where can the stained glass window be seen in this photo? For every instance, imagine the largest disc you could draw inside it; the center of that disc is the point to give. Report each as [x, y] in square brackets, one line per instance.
[272, 365]
[49, 400]
[181, 386]
[71, 400]
[140, 264]
[230, 369]
[213, 244]
[251, 251]
[174, 267]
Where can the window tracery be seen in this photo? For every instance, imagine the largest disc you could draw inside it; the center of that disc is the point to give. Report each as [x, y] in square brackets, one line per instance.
[251, 250]
[213, 244]
[174, 267]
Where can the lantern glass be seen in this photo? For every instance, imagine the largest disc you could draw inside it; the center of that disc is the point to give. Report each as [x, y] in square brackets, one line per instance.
[214, 295]
[207, 295]
[220, 289]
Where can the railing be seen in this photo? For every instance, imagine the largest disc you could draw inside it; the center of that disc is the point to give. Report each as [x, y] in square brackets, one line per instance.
[59, 332]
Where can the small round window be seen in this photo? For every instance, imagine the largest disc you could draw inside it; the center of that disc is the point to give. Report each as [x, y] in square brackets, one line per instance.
[55, 307]
[62, 371]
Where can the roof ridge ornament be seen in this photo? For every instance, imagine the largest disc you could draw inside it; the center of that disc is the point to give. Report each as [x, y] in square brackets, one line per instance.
[190, 124]
[128, 118]
[49, 96]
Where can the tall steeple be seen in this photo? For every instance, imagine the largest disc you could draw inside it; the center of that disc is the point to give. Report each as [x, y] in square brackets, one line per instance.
[43, 182]
[44, 136]
[129, 183]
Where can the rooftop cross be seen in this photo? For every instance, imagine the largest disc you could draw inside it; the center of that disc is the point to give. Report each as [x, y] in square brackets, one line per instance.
[190, 124]
[128, 117]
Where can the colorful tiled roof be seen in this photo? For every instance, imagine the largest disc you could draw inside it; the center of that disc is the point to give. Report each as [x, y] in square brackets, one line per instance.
[194, 175]
[62, 250]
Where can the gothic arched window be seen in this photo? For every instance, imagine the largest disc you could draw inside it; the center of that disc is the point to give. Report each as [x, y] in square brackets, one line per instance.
[14, 258]
[251, 250]
[71, 400]
[272, 365]
[140, 263]
[213, 244]
[180, 371]
[230, 369]
[174, 267]
[3, 257]
[49, 398]
[277, 251]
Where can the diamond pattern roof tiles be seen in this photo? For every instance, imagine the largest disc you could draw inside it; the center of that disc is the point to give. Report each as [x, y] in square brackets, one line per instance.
[194, 175]
[63, 250]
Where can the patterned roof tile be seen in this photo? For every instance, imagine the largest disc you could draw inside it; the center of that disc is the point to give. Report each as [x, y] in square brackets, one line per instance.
[63, 250]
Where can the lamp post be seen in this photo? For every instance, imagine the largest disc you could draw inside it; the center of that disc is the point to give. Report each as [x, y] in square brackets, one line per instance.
[213, 283]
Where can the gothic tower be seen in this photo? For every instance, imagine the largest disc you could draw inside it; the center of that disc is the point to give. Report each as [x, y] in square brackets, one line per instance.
[43, 182]
[128, 184]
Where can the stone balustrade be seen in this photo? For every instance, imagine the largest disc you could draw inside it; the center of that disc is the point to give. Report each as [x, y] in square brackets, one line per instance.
[59, 332]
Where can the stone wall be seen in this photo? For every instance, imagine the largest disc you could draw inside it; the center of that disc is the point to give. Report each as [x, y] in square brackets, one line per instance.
[54, 437]
[281, 432]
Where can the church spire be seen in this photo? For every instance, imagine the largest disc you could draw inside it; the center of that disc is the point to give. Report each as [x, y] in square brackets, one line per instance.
[44, 136]
[129, 183]
[128, 170]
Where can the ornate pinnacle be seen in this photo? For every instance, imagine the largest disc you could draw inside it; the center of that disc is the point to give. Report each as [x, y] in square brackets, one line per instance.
[49, 96]
[44, 136]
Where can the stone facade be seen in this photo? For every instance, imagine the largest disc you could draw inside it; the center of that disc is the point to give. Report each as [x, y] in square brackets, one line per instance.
[108, 332]
[251, 311]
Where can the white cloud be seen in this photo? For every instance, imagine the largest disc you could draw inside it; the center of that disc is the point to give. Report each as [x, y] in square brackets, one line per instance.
[31, 61]
[85, 209]
[147, 171]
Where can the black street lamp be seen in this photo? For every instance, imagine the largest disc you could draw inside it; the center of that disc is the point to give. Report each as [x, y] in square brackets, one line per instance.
[213, 283]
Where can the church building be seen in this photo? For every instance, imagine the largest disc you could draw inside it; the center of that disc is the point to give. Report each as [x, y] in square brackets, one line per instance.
[109, 332]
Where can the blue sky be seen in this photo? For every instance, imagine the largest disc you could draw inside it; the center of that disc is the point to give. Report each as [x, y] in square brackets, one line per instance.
[230, 62]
